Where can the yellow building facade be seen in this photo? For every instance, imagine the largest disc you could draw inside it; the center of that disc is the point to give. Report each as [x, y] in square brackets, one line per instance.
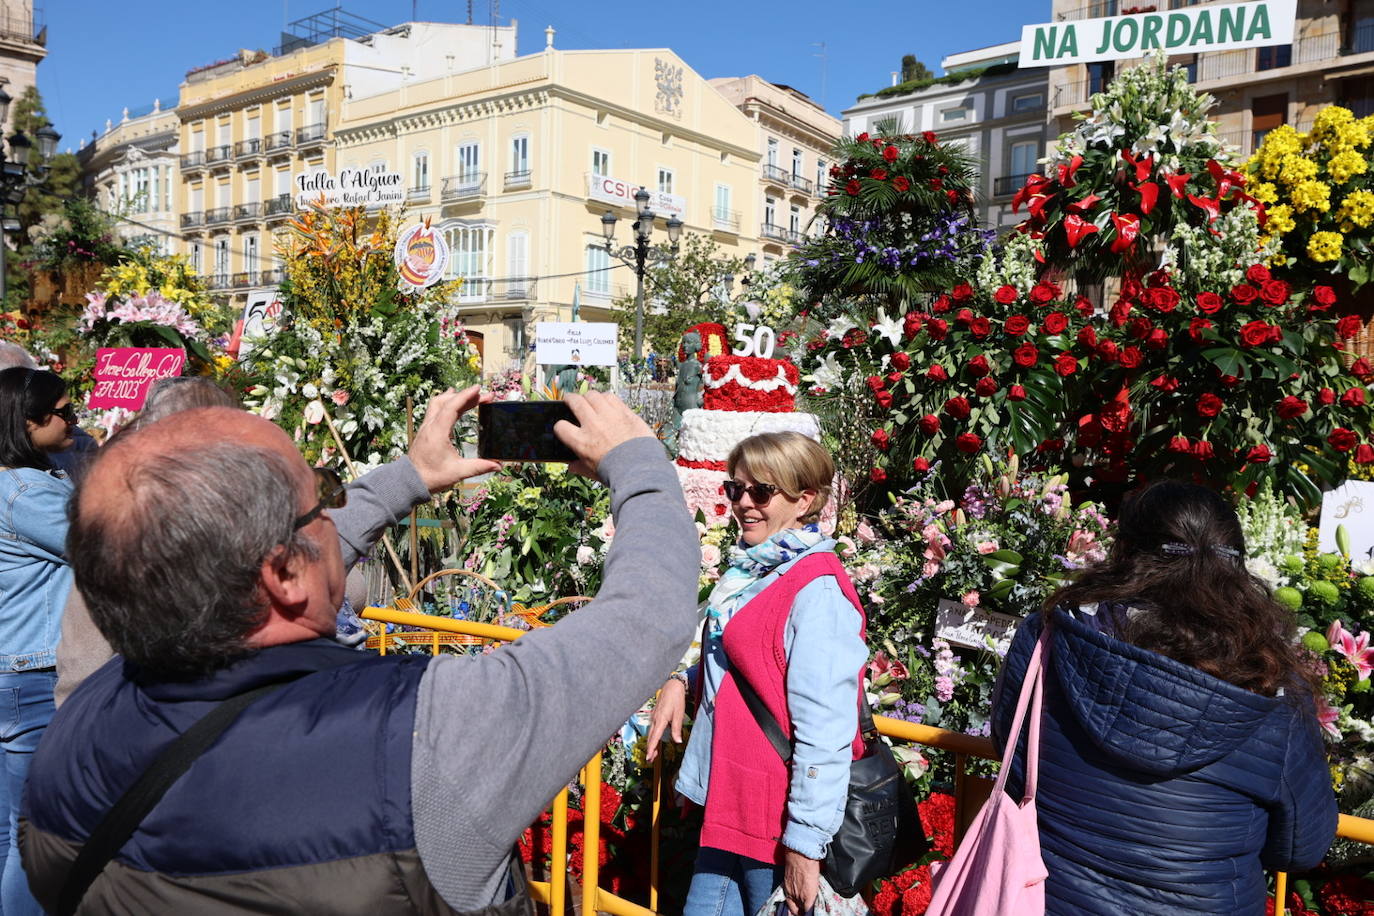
[516, 163]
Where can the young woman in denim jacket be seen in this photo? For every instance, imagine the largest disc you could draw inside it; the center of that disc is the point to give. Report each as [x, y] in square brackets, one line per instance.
[36, 418]
[779, 482]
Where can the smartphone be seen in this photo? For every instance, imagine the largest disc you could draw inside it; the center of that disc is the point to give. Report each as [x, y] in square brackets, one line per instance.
[522, 431]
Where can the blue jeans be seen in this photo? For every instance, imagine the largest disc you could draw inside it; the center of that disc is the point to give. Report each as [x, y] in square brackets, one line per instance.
[26, 705]
[729, 884]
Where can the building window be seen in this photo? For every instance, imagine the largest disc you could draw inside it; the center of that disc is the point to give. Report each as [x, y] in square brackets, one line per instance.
[821, 176]
[517, 265]
[250, 255]
[469, 249]
[598, 271]
[772, 152]
[166, 189]
[1100, 73]
[222, 261]
[520, 156]
[796, 163]
[284, 182]
[469, 161]
[794, 220]
[1273, 57]
[195, 257]
[252, 189]
[601, 162]
[515, 333]
[1031, 101]
[665, 181]
[140, 191]
[419, 173]
[770, 211]
[1023, 156]
[284, 115]
[722, 214]
[315, 111]
[953, 115]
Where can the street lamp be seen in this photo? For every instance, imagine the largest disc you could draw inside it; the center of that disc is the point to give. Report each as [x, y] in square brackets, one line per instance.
[639, 255]
[15, 179]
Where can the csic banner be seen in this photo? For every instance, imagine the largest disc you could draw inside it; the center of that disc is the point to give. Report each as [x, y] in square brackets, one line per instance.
[1211, 27]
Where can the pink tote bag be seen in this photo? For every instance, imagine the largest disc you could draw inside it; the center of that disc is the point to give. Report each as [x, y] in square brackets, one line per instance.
[997, 869]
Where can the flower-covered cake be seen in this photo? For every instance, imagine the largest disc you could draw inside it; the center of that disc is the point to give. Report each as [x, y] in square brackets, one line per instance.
[750, 383]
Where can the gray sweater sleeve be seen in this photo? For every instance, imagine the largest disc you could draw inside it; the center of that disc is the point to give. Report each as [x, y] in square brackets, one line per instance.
[376, 500]
[496, 736]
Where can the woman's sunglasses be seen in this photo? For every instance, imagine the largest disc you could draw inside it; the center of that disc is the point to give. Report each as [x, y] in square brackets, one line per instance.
[331, 492]
[67, 413]
[760, 493]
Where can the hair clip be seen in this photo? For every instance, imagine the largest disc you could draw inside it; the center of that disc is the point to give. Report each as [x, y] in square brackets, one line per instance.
[1225, 551]
[1175, 549]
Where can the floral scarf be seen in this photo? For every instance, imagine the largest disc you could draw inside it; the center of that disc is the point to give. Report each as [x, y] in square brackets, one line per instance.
[750, 564]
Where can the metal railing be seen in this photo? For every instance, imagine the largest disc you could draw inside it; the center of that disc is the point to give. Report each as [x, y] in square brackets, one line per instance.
[1008, 184]
[279, 206]
[520, 179]
[219, 155]
[272, 277]
[1078, 92]
[193, 160]
[277, 141]
[311, 133]
[419, 193]
[800, 183]
[462, 187]
[217, 215]
[505, 289]
[776, 173]
[248, 211]
[21, 25]
[725, 219]
[192, 220]
[250, 147]
[245, 279]
[780, 234]
[436, 632]
[219, 281]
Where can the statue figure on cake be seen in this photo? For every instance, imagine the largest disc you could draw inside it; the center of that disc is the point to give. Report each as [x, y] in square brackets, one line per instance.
[687, 394]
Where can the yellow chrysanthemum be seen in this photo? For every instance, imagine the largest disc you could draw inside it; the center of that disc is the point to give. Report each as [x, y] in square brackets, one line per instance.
[1311, 195]
[1344, 166]
[1297, 169]
[1330, 118]
[1265, 192]
[1280, 220]
[1324, 246]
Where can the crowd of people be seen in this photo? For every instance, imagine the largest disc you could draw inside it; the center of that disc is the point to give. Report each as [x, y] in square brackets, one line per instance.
[175, 591]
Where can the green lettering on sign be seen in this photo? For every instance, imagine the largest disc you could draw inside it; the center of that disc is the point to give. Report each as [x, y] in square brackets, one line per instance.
[1178, 30]
[1069, 45]
[1044, 42]
[1149, 33]
[1202, 31]
[1259, 25]
[1121, 41]
[1232, 22]
[1106, 37]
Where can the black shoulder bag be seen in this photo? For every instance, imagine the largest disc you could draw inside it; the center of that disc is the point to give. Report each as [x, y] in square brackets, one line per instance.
[881, 830]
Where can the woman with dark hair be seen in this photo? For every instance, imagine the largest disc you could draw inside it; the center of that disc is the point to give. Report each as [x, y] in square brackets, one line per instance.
[1179, 750]
[36, 418]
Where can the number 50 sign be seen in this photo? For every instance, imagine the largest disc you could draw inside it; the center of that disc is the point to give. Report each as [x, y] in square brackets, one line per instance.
[754, 340]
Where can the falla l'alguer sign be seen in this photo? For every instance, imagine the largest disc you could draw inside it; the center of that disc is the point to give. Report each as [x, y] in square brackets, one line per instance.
[1209, 27]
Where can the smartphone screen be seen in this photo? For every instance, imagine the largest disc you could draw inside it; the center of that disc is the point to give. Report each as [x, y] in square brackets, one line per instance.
[522, 431]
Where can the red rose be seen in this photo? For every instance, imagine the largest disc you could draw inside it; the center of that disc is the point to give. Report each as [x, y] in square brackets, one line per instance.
[1016, 325]
[1353, 397]
[1259, 454]
[1164, 299]
[852, 188]
[986, 387]
[1054, 323]
[958, 407]
[894, 377]
[1230, 381]
[878, 174]
[901, 185]
[963, 316]
[1342, 439]
[1107, 351]
[928, 136]
[1275, 292]
[1025, 355]
[1140, 327]
[1119, 313]
[901, 360]
[937, 373]
[1209, 405]
[890, 153]
[1087, 337]
[1006, 295]
[1244, 294]
[911, 326]
[980, 327]
[1196, 327]
[1203, 451]
[1291, 407]
[1254, 334]
[1326, 397]
[962, 293]
[1131, 357]
[1050, 445]
[1361, 369]
[1364, 454]
[1016, 393]
[1348, 326]
[1180, 445]
[1209, 303]
[937, 328]
[1042, 293]
[1084, 305]
[920, 465]
[968, 443]
[929, 424]
[1157, 339]
[1257, 273]
[940, 305]
[936, 184]
[862, 138]
[978, 366]
[884, 399]
[1065, 364]
[877, 475]
[876, 383]
[1165, 383]
[881, 439]
[1325, 296]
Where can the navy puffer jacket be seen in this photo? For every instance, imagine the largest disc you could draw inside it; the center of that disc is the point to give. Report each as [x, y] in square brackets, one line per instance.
[1163, 789]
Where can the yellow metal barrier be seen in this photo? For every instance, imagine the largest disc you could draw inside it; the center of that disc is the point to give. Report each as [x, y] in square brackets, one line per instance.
[594, 898]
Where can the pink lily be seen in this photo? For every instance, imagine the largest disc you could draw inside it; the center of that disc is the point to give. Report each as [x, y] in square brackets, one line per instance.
[883, 670]
[1356, 650]
[1327, 716]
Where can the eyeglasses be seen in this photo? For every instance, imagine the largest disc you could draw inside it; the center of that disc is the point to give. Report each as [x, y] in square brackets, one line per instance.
[760, 493]
[66, 412]
[331, 492]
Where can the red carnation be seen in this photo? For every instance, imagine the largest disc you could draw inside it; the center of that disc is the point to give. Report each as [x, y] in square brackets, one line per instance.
[1254, 334]
[1016, 393]
[876, 382]
[1006, 295]
[968, 443]
[929, 424]
[920, 465]
[1244, 294]
[1197, 326]
[1326, 397]
[1131, 357]
[881, 439]
[1025, 355]
[1065, 364]
[958, 407]
[901, 361]
[890, 153]
[937, 373]
[1165, 383]
[980, 327]
[901, 185]
[1364, 454]
[986, 387]
[1361, 369]
[852, 188]
[1016, 325]
[962, 293]
[1291, 407]
[877, 475]
[1087, 337]
[1348, 326]
[1209, 405]
[1324, 295]
[1259, 454]
[978, 366]
[1180, 445]
[1157, 339]
[1275, 292]
[1203, 451]
[937, 328]
[1209, 303]
[1342, 439]
[1054, 323]
[1353, 397]
[1107, 351]
[1257, 273]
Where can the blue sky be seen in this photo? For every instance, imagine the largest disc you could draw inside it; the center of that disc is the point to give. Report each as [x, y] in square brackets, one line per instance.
[108, 54]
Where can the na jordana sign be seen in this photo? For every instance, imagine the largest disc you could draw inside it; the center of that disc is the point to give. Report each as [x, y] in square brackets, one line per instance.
[1209, 27]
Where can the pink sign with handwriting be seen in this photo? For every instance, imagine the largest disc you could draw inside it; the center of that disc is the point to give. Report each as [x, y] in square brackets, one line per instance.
[123, 375]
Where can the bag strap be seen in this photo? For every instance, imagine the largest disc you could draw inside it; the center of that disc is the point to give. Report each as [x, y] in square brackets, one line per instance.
[120, 822]
[1030, 697]
[768, 723]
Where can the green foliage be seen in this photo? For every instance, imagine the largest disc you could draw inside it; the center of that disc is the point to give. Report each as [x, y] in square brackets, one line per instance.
[913, 69]
[949, 79]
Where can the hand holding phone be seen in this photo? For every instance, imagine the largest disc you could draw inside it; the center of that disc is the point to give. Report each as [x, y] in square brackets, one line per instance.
[522, 431]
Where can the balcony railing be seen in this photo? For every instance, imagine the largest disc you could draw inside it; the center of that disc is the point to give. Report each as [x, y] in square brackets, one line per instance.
[193, 220]
[272, 277]
[219, 281]
[219, 155]
[775, 173]
[800, 183]
[311, 133]
[1077, 93]
[248, 211]
[779, 234]
[193, 160]
[277, 142]
[419, 193]
[725, 219]
[217, 215]
[1008, 185]
[279, 206]
[518, 179]
[507, 289]
[463, 187]
[250, 147]
[245, 279]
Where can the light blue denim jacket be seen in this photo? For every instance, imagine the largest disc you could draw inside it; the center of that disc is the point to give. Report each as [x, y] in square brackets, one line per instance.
[34, 574]
[824, 655]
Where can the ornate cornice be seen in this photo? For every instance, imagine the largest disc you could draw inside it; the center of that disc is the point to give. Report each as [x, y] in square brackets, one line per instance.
[257, 94]
[452, 113]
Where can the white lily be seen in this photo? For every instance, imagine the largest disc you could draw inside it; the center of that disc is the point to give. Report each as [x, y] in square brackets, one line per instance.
[891, 328]
[840, 326]
[828, 373]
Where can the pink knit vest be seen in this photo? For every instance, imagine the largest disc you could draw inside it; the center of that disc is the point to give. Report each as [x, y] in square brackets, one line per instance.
[746, 800]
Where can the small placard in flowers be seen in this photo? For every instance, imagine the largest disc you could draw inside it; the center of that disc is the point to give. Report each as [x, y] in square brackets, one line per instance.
[421, 257]
[123, 375]
[585, 343]
[960, 625]
[1351, 506]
